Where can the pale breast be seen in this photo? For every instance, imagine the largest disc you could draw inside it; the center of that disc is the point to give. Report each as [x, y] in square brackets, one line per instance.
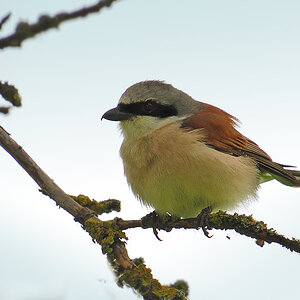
[174, 171]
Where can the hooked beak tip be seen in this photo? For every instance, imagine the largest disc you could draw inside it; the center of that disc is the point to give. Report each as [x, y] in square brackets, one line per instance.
[115, 114]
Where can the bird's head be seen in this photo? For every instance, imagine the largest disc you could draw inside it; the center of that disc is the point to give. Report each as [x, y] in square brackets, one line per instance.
[149, 105]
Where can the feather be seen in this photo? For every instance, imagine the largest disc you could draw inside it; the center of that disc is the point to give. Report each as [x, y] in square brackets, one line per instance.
[221, 134]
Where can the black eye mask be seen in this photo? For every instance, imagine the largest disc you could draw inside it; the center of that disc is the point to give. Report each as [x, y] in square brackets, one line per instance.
[149, 108]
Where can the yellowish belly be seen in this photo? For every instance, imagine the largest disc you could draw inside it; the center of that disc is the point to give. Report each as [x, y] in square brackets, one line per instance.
[173, 171]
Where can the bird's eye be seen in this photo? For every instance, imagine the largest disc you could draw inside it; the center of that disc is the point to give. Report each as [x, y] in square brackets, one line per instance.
[148, 106]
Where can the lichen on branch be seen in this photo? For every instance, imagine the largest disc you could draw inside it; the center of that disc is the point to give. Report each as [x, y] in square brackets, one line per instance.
[128, 272]
[242, 224]
[112, 238]
[10, 94]
[99, 207]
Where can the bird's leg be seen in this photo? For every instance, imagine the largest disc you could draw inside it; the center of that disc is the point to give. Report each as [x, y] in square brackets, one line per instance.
[154, 219]
[203, 220]
[158, 221]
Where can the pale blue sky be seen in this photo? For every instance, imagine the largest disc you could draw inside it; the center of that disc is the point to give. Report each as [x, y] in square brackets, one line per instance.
[242, 56]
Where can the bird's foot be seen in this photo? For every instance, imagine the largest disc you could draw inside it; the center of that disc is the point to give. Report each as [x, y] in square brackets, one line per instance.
[152, 220]
[158, 221]
[203, 220]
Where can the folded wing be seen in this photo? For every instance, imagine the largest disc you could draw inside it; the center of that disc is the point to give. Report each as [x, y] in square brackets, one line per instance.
[221, 134]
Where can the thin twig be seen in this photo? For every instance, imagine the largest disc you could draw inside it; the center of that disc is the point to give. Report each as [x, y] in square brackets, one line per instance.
[25, 30]
[4, 109]
[4, 19]
[245, 225]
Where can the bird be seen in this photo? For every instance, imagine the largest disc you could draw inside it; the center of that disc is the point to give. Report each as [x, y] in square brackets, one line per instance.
[182, 156]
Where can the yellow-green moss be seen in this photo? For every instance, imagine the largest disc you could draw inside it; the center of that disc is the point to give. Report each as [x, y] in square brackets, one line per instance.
[100, 207]
[140, 278]
[241, 223]
[10, 93]
[217, 218]
[181, 285]
[105, 233]
[24, 29]
[46, 22]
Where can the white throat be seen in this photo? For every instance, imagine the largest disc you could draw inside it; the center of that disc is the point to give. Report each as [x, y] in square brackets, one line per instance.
[141, 126]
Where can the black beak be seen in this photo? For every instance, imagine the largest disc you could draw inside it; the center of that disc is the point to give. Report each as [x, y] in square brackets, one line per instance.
[115, 114]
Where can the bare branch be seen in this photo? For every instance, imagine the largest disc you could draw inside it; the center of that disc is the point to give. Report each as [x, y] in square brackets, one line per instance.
[39, 176]
[4, 19]
[25, 31]
[4, 109]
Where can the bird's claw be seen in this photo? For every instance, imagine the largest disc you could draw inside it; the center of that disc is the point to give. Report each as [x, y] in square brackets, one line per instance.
[155, 224]
[203, 221]
[153, 220]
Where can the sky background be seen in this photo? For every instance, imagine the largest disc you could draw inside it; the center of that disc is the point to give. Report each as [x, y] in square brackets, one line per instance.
[242, 56]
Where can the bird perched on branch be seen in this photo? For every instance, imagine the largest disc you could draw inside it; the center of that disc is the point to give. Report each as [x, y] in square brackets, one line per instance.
[181, 155]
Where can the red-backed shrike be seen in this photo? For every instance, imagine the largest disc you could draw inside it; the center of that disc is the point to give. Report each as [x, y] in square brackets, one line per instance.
[181, 156]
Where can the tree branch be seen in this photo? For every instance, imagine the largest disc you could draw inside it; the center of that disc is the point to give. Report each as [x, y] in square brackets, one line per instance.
[106, 233]
[110, 236]
[4, 19]
[10, 94]
[245, 225]
[25, 31]
[4, 109]
[99, 208]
